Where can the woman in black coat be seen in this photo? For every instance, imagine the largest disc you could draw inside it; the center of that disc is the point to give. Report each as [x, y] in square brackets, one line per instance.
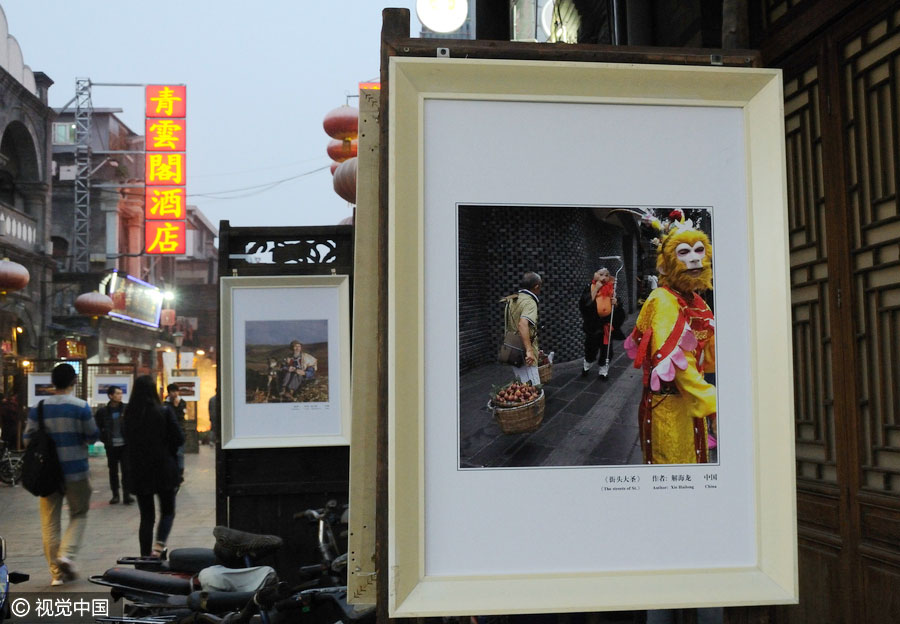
[152, 438]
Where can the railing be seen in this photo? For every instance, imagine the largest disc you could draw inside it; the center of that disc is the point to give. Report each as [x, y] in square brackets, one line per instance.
[17, 229]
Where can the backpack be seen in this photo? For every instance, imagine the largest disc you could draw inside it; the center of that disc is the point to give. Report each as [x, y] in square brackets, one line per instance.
[42, 473]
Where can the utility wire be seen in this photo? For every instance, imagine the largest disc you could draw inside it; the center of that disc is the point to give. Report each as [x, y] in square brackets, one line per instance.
[256, 189]
[224, 173]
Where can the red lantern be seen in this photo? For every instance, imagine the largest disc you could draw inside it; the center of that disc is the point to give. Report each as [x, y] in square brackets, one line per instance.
[334, 165]
[167, 317]
[346, 221]
[93, 304]
[342, 150]
[345, 180]
[13, 276]
[342, 123]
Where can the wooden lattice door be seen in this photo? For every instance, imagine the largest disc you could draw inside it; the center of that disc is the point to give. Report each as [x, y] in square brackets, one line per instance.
[842, 114]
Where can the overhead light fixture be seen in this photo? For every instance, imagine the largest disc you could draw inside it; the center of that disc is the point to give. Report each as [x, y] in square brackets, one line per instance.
[200, 352]
[442, 16]
[19, 329]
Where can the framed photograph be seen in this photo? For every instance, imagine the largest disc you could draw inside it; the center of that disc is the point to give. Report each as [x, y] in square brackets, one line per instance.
[102, 383]
[39, 387]
[188, 387]
[285, 361]
[629, 222]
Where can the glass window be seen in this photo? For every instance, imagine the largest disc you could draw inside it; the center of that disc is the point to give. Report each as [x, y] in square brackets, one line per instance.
[63, 134]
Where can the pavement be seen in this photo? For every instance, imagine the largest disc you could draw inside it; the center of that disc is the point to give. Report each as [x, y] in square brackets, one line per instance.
[588, 421]
[111, 529]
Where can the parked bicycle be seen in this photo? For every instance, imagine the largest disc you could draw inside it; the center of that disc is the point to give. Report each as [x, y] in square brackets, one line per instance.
[172, 585]
[7, 578]
[10, 465]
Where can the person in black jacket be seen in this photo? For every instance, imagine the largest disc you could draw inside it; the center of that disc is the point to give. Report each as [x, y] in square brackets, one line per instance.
[152, 438]
[109, 422]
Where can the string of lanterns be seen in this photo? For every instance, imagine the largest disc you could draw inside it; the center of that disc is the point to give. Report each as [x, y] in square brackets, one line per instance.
[342, 125]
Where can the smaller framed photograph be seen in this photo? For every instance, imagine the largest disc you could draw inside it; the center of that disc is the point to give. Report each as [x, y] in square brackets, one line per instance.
[39, 387]
[188, 387]
[102, 384]
[285, 365]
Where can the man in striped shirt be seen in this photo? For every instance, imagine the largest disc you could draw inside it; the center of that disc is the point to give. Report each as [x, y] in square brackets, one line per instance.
[70, 423]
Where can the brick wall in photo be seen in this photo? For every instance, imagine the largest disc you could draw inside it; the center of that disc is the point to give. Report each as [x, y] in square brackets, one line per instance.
[498, 244]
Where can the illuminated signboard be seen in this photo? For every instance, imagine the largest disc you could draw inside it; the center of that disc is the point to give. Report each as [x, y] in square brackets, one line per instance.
[165, 170]
[164, 203]
[166, 101]
[68, 348]
[133, 299]
[164, 237]
[167, 135]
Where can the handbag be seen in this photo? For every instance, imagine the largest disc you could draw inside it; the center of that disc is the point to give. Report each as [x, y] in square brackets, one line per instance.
[42, 473]
[512, 349]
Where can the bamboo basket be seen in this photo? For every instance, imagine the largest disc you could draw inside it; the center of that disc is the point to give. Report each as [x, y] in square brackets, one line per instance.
[520, 419]
[546, 372]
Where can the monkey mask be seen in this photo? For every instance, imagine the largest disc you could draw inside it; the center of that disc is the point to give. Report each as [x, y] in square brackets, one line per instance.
[684, 259]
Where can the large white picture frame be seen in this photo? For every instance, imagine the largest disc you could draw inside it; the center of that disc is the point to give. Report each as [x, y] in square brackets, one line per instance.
[39, 387]
[103, 382]
[277, 394]
[585, 134]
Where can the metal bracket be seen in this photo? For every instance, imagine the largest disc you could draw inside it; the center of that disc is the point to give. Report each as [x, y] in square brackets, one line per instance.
[443, 53]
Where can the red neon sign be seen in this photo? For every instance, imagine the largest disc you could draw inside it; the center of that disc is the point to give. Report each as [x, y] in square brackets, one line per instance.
[165, 169]
[165, 101]
[165, 174]
[164, 203]
[165, 135]
[165, 237]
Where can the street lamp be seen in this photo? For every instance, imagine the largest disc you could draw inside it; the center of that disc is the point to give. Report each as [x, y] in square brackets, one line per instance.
[178, 339]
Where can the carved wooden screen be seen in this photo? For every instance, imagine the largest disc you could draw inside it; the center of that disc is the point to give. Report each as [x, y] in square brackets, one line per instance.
[814, 388]
[870, 64]
[818, 446]
[869, 61]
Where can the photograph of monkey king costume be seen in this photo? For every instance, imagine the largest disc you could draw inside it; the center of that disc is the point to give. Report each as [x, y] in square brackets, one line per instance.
[674, 342]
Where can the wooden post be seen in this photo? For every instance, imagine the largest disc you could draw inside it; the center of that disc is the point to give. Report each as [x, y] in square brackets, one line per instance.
[395, 26]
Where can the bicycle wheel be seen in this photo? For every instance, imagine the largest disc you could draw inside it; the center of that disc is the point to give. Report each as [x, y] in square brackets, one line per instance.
[17, 466]
[7, 472]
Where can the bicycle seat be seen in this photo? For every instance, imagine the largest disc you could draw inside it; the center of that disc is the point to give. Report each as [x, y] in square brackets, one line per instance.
[148, 581]
[239, 544]
[191, 559]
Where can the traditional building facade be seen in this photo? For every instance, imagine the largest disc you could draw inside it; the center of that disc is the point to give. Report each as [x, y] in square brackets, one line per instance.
[25, 186]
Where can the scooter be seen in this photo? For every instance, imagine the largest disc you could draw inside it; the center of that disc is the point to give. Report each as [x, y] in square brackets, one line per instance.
[7, 577]
[275, 605]
[155, 586]
[166, 582]
[604, 369]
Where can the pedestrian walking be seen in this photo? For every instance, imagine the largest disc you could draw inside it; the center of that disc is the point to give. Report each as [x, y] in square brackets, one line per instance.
[109, 422]
[152, 438]
[70, 423]
[177, 406]
[213, 417]
[9, 421]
